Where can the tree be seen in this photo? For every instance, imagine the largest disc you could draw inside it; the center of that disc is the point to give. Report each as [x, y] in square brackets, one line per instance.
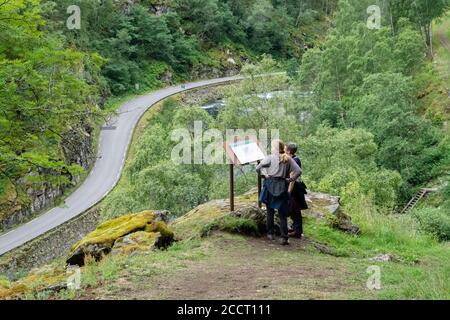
[407, 142]
[337, 159]
[420, 12]
[211, 20]
[268, 28]
[44, 94]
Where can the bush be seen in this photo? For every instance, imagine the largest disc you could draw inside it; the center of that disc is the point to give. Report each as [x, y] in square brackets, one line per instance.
[446, 191]
[435, 221]
[233, 225]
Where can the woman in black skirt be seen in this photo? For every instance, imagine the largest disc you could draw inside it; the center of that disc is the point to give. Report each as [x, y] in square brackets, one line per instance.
[280, 171]
[297, 197]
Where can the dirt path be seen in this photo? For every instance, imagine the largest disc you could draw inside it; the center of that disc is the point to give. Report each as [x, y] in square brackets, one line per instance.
[250, 268]
[445, 42]
[443, 39]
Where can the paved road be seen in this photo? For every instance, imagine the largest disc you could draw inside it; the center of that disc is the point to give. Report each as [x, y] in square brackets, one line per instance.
[113, 145]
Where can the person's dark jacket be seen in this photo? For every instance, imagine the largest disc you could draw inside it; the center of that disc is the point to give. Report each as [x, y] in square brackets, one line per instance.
[299, 190]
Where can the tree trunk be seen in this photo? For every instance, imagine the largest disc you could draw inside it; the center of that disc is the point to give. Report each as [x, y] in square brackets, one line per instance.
[431, 38]
[427, 30]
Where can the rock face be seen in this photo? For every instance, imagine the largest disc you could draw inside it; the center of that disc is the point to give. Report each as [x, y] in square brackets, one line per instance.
[227, 63]
[77, 147]
[17, 208]
[127, 233]
[254, 213]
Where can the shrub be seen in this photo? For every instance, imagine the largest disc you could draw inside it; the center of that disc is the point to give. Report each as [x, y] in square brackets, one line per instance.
[233, 225]
[435, 221]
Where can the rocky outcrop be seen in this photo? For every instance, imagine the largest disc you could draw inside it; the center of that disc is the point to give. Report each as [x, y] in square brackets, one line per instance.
[226, 64]
[324, 206]
[77, 147]
[321, 207]
[21, 208]
[252, 212]
[140, 231]
[25, 199]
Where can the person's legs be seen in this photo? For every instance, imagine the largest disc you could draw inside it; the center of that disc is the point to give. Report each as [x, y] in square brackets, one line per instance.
[295, 214]
[297, 223]
[300, 222]
[283, 213]
[291, 215]
[270, 221]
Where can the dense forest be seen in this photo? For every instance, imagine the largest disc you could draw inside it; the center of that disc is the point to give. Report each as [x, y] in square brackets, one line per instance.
[364, 95]
[56, 80]
[370, 135]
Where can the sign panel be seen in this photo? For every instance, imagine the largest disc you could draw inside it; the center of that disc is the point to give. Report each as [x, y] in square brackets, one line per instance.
[244, 150]
[247, 151]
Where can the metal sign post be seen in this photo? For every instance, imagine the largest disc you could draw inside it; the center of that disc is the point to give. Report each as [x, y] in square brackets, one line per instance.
[232, 187]
[259, 190]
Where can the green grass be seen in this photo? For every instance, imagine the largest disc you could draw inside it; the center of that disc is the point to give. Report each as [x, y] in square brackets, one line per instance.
[442, 55]
[390, 236]
[321, 276]
[436, 103]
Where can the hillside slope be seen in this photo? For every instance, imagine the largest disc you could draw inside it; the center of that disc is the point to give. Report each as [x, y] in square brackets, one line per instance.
[215, 257]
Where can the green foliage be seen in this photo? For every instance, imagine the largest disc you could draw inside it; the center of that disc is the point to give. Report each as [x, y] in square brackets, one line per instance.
[366, 79]
[382, 234]
[47, 90]
[231, 224]
[211, 20]
[4, 282]
[339, 161]
[187, 189]
[268, 28]
[435, 221]
[407, 142]
[131, 36]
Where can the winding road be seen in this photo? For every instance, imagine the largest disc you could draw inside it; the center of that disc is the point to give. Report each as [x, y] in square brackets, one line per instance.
[114, 140]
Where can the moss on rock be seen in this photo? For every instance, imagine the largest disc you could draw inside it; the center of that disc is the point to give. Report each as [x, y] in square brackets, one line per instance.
[39, 279]
[101, 241]
[137, 241]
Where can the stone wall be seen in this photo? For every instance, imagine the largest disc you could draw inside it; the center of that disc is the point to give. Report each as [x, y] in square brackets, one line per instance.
[52, 245]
